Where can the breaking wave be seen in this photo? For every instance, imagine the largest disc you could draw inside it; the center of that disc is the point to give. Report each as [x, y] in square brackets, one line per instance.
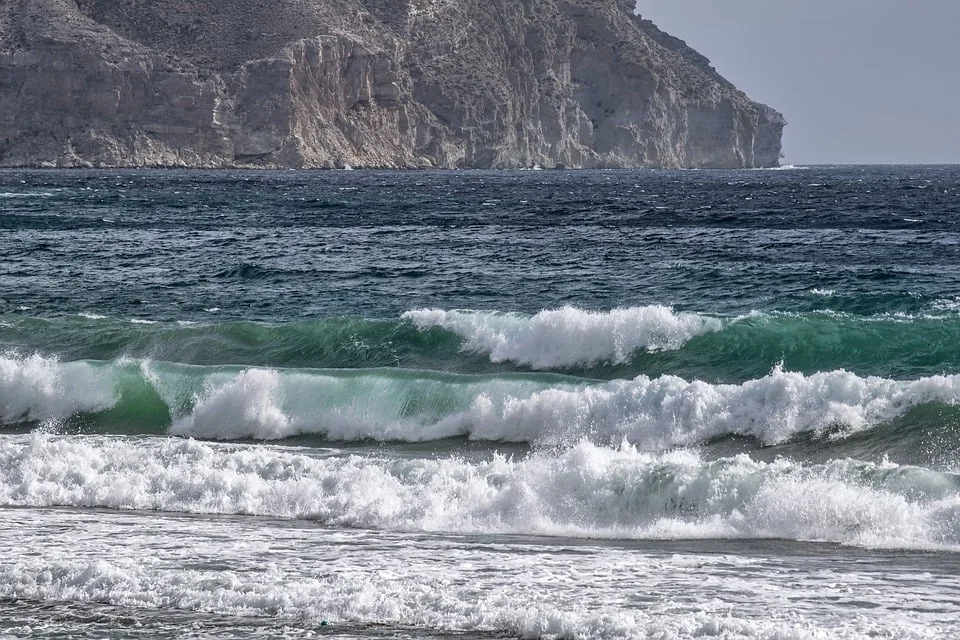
[652, 340]
[584, 491]
[567, 337]
[230, 403]
[35, 388]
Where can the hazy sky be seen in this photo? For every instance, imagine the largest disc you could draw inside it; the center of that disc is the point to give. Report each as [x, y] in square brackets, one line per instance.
[860, 81]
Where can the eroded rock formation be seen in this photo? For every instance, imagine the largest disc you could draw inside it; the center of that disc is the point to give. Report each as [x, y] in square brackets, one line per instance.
[376, 83]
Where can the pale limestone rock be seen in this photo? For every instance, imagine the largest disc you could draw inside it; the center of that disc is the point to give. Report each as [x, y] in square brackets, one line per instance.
[366, 83]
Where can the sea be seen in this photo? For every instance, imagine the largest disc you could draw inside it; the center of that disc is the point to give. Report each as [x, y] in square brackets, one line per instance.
[480, 404]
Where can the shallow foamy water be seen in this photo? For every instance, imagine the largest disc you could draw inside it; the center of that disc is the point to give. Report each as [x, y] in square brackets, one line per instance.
[114, 573]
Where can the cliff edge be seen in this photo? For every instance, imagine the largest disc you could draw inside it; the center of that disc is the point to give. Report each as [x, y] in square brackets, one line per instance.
[373, 83]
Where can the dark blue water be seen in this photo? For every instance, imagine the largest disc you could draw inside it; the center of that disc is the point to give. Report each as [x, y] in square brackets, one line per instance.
[284, 246]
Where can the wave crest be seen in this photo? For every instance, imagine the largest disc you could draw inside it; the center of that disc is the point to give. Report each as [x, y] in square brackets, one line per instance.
[244, 407]
[37, 388]
[567, 337]
[229, 403]
[669, 411]
[654, 413]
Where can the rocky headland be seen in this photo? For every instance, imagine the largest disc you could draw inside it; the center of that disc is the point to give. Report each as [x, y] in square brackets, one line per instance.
[371, 83]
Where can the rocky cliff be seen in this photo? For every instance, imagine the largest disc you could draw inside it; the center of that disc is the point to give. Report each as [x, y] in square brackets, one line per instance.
[375, 83]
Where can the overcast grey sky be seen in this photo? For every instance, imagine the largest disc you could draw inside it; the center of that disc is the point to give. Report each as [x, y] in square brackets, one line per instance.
[860, 81]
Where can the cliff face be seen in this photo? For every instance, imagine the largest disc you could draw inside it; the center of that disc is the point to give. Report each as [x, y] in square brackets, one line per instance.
[385, 83]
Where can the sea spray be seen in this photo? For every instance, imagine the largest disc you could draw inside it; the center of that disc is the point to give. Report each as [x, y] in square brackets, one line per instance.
[244, 407]
[37, 388]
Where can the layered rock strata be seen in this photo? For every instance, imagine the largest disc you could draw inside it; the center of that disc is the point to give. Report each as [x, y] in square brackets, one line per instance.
[372, 83]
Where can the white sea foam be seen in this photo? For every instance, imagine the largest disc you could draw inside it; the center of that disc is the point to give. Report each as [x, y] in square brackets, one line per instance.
[568, 336]
[585, 491]
[413, 585]
[541, 595]
[244, 407]
[277, 577]
[26, 194]
[392, 405]
[947, 304]
[654, 413]
[785, 167]
[38, 388]
[669, 411]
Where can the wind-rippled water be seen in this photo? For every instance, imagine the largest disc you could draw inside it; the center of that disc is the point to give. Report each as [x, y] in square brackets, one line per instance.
[636, 404]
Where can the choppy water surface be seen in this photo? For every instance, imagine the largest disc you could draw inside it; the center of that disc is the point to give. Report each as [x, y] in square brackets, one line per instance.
[632, 404]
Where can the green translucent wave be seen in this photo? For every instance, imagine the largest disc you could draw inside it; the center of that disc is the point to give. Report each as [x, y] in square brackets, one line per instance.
[743, 348]
[829, 414]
